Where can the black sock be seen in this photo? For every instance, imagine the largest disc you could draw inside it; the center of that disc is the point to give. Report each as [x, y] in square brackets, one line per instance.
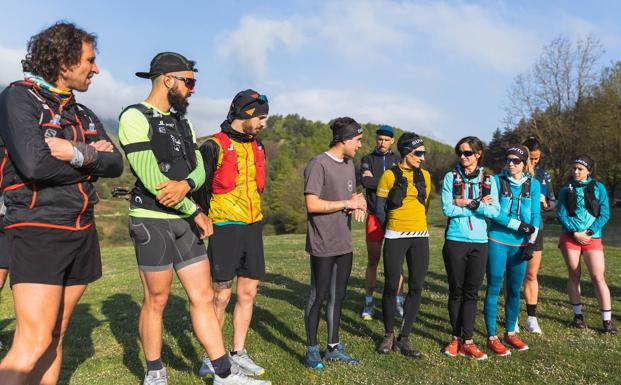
[531, 310]
[155, 365]
[222, 366]
[233, 352]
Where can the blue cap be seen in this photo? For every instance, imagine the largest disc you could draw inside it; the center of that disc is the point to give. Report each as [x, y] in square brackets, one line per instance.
[385, 130]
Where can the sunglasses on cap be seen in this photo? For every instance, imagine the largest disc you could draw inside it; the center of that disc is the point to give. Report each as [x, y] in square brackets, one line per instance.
[190, 83]
[467, 154]
[515, 161]
[262, 99]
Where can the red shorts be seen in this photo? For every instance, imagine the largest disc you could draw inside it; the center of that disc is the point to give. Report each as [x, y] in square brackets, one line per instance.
[568, 242]
[375, 232]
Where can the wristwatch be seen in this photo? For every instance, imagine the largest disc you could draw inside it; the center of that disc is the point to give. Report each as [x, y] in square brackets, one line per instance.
[474, 204]
[191, 183]
[589, 232]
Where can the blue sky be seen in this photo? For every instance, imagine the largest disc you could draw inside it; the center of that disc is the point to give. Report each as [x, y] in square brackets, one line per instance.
[438, 68]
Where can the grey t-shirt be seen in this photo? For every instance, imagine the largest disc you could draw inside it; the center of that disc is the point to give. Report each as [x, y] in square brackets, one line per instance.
[329, 235]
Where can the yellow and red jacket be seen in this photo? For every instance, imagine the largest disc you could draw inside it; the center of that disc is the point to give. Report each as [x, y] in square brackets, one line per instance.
[235, 177]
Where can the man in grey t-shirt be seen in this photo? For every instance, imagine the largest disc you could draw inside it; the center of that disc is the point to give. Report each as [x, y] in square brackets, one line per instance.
[329, 184]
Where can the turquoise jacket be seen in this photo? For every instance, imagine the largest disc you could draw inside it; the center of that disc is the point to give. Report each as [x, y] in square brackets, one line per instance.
[464, 224]
[583, 220]
[504, 228]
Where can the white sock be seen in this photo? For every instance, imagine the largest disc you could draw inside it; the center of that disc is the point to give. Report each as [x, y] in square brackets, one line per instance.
[368, 299]
[400, 299]
[332, 346]
[577, 308]
[606, 315]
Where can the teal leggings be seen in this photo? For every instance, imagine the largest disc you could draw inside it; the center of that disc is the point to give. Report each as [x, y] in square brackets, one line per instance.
[503, 258]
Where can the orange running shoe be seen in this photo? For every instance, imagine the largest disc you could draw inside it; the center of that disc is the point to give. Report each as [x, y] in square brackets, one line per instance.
[470, 350]
[497, 347]
[453, 347]
[515, 342]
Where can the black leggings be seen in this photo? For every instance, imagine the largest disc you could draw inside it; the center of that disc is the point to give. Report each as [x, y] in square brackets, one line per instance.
[327, 273]
[416, 252]
[465, 267]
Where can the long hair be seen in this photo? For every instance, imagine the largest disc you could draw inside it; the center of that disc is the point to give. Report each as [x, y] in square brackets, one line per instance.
[57, 46]
[475, 144]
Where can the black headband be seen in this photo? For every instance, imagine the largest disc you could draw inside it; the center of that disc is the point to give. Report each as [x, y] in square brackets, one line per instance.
[520, 153]
[347, 132]
[585, 163]
[407, 147]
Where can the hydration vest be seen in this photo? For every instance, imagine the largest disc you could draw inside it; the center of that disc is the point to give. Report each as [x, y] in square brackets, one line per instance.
[590, 200]
[224, 178]
[399, 189]
[172, 143]
[459, 185]
[505, 190]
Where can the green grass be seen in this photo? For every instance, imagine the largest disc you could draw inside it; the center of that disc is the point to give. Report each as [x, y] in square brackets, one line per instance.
[102, 345]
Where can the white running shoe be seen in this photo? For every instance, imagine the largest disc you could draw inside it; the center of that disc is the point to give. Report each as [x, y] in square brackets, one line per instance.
[246, 364]
[155, 377]
[238, 378]
[532, 326]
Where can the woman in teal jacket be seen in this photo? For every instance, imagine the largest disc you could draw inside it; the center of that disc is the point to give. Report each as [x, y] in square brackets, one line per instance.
[512, 238]
[583, 211]
[469, 196]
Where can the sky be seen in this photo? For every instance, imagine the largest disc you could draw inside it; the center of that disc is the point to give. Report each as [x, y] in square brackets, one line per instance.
[439, 68]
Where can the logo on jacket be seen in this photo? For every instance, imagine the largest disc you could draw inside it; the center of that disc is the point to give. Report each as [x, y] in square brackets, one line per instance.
[176, 143]
[50, 133]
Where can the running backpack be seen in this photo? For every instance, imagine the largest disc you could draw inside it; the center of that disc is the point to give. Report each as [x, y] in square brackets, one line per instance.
[399, 189]
[590, 200]
[459, 185]
[505, 190]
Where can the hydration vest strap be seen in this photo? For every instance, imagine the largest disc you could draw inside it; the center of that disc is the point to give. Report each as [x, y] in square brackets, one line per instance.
[136, 147]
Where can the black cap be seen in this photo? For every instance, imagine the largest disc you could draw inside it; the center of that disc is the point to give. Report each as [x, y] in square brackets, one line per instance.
[165, 62]
[248, 104]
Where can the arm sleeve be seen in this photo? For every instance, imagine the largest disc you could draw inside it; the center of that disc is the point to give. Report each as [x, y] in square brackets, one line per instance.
[604, 209]
[380, 210]
[561, 211]
[107, 164]
[134, 128]
[490, 210]
[25, 144]
[369, 182]
[535, 204]
[449, 209]
[198, 174]
[209, 155]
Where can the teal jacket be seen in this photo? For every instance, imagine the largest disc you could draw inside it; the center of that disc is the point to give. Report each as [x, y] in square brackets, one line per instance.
[464, 224]
[504, 228]
[583, 220]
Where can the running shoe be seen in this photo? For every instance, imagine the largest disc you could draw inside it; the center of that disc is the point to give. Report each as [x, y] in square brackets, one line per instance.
[610, 328]
[532, 325]
[403, 346]
[513, 341]
[206, 369]
[313, 358]
[387, 344]
[339, 354]
[367, 311]
[578, 322]
[494, 344]
[155, 377]
[246, 364]
[452, 348]
[399, 307]
[470, 350]
[238, 378]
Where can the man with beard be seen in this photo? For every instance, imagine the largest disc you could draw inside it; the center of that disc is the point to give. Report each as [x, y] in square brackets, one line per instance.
[167, 227]
[235, 177]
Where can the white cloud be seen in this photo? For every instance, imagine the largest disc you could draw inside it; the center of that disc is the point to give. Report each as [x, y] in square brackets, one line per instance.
[250, 44]
[366, 107]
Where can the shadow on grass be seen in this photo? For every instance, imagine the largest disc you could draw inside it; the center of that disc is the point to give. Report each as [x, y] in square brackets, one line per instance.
[78, 342]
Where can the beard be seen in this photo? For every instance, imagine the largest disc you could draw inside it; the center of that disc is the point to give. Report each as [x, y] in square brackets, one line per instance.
[247, 128]
[177, 100]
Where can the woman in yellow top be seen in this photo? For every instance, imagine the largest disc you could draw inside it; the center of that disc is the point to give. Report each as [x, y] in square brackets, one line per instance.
[402, 203]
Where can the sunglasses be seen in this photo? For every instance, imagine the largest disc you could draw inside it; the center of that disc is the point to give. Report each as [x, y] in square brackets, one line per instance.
[190, 83]
[515, 161]
[467, 154]
[262, 99]
[419, 154]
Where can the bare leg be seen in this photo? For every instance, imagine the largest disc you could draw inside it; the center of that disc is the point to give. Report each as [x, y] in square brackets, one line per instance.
[222, 296]
[242, 315]
[204, 320]
[531, 285]
[374, 252]
[572, 260]
[156, 286]
[595, 262]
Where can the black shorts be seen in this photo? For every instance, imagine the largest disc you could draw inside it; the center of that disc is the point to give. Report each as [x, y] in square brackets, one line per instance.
[539, 240]
[236, 250]
[4, 248]
[162, 244]
[53, 256]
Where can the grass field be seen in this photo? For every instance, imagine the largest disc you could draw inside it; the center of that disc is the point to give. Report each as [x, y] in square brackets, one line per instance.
[102, 345]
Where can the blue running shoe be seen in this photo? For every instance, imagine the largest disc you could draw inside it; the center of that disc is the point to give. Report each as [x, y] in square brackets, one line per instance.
[313, 358]
[206, 369]
[338, 354]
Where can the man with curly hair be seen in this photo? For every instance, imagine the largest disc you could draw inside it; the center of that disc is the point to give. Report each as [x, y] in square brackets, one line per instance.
[53, 150]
